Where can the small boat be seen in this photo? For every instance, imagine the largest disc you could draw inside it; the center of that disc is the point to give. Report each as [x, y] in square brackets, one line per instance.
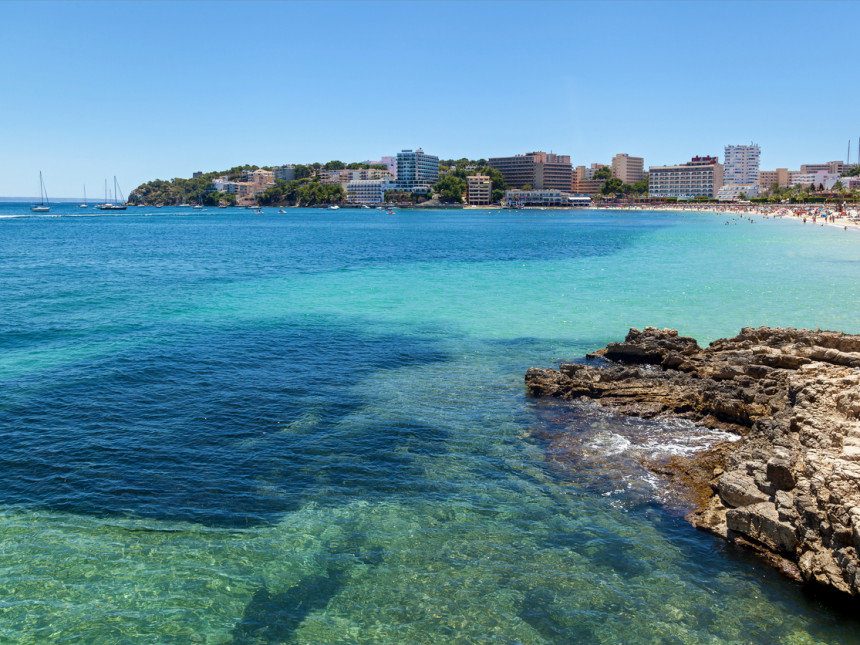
[281, 210]
[259, 211]
[44, 206]
[197, 206]
[333, 207]
[84, 205]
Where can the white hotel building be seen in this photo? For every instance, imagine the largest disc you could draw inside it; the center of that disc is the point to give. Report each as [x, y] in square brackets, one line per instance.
[741, 166]
[699, 177]
[368, 191]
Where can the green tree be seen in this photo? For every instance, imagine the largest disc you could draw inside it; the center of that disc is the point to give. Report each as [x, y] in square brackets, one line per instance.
[526, 187]
[451, 189]
[498, 195]
[602, 173]
[496, 177]
[611, 186]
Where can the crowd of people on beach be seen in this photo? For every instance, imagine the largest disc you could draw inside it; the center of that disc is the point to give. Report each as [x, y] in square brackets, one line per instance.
[845, 217]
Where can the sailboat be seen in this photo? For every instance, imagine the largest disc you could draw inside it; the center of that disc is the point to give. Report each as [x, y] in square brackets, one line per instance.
[84, 205]
[109, 206]
[44, 206]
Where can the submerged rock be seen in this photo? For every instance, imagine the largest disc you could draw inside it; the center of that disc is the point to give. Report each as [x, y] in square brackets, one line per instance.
[791, 487]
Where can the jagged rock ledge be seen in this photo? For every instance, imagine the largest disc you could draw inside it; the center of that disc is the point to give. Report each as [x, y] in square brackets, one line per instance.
[790, 488]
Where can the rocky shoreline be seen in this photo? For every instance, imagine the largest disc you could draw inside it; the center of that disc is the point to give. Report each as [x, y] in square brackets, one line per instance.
[790, 488]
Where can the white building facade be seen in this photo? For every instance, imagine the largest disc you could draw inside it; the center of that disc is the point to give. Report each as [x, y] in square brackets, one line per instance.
[368, 191]
[825, 179]
[741, 165]
[699, 177]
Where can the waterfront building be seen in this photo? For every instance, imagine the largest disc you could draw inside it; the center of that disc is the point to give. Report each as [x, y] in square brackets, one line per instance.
[820, 178]
[542, 197]
[220, 184]
[417, 171]
[628, 169]
[735, 192]
[741, 165]
[479, 190]
[767, 178]
[286, 172]
[699, 177]
[368, 191]
[540, 170]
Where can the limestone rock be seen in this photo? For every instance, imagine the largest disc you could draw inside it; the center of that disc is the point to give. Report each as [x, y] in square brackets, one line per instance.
[791, 486]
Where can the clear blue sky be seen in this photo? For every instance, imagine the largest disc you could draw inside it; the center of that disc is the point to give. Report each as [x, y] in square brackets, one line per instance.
[146, 90]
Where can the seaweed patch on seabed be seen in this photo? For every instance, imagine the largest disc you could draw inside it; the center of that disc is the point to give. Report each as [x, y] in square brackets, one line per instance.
[626, 459]
[274, 617]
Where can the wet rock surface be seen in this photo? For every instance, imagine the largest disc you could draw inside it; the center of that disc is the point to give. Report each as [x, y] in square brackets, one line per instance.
[790, 488]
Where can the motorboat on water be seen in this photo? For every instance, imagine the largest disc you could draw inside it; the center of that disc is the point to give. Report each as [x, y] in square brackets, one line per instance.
[334, 207]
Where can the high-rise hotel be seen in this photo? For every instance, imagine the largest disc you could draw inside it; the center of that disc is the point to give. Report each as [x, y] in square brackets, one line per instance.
[536, 169]
[417, 171]
[741, 167]
[628, 169]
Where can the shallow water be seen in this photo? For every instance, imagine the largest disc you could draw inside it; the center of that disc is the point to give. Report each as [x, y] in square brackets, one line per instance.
[311, 427]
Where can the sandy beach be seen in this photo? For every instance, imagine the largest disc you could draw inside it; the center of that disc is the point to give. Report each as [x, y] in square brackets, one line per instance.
[820, 215]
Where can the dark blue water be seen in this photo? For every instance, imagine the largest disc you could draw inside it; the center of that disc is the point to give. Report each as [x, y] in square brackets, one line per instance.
[311, 427]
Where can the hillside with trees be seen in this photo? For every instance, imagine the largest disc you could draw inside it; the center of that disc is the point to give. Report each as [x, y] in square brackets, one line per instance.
[304, 190]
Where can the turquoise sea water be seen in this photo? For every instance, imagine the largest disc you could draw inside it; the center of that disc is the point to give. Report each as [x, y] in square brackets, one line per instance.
[311, 427]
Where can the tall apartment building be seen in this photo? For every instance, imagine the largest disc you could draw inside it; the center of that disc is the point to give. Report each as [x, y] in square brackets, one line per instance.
[417, 171]
[479, 190]
[537, 169]
[699, 177]
[741, 167]
[628, 169]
